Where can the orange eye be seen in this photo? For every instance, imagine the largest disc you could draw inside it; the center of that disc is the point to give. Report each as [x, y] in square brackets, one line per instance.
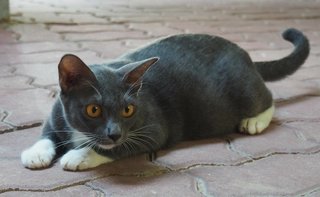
[128, 111]
[93, 110]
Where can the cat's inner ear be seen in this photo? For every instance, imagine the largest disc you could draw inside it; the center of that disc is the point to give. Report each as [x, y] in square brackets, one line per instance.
[74, 73]
[133, 72]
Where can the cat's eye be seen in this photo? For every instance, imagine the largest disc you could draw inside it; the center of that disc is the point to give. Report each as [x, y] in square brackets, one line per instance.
[93, 110]
[128, 111]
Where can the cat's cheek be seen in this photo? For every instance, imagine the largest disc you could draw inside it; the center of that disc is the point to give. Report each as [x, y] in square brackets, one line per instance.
[39, 155]
[81, 159]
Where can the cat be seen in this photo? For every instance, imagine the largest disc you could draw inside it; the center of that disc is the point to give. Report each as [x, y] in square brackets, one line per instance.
[181, 87]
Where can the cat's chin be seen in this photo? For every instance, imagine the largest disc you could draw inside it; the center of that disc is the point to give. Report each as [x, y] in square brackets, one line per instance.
[107, 147]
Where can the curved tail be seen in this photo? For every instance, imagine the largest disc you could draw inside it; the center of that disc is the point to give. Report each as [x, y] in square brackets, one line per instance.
[279, 69]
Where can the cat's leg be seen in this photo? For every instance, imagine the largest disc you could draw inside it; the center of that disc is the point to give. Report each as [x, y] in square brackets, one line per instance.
[40, 155]
[257, 124]
[83, 158]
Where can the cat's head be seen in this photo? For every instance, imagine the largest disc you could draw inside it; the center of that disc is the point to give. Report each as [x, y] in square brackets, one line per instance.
[102, 103]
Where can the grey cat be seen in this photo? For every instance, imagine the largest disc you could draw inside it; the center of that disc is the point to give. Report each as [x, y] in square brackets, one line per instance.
[178, 88]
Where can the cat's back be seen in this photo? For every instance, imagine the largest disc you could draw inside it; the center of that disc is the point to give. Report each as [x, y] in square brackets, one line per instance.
[184, 47]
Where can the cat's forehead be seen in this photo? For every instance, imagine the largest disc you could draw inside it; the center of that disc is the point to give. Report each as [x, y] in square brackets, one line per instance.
[104, 74]
[110, 85]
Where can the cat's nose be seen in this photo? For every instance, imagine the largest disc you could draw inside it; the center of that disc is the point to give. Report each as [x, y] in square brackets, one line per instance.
[114, 137]
[113, 130]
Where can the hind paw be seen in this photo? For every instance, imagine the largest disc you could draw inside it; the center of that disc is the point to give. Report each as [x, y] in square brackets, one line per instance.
[256, 125]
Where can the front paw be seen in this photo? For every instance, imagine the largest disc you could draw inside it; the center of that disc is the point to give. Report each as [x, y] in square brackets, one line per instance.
[39, 155]
[81, 159]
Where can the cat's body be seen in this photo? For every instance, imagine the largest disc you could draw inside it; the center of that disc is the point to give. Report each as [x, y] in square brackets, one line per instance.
[197, 86]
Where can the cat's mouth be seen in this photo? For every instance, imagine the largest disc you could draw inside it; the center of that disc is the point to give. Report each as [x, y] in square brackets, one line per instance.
[107, 146]
[109, 143]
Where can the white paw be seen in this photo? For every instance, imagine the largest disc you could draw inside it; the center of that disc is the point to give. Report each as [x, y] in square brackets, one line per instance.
[257, 124]
[39, 155]
[81, 159]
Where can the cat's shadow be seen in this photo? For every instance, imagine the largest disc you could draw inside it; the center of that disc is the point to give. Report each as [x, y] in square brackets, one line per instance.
[139, 171]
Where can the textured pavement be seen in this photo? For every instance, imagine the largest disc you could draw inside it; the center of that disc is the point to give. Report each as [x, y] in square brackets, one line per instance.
[283, 161]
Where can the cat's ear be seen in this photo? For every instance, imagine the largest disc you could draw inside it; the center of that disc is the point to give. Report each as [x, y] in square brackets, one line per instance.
[73, 73]
[133, 72]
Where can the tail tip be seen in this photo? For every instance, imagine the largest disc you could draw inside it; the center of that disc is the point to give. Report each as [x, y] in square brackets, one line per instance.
[292, 34]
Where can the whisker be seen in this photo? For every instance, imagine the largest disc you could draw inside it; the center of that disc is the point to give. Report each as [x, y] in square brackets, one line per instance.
[141, 128]
[145, 136]
[127, 146]
[142, 144]
[83, 144]
[139, 139]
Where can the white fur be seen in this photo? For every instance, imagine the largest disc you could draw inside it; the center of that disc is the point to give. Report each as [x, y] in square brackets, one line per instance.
[256, 125]
[39, 155]
[107, 147]
[81, 159]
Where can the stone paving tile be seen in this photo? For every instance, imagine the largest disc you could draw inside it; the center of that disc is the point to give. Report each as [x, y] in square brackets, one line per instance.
[312, 61]
[254, 46]
[14, 84]
[314, 193]
[155, 29]
[37, 47]
[5, 127]
[76, 191]
[186, 154]
[103, 36]
[6, 71]
[173, 184]
[42, 74]
[315, 81]
[150, 18]
[315, 50]
[17, 6]
[17, 112]
[83, 18]
[86, 28]
[5, 36]
[306, 131]
[300, 108]
[18, 18]
[32, 106]
[276, 139]
[305, 74]
[46, 17]
[108, 49]
[48, 57]
[288, 89]
[194, 27]
[277, 175]
[136, 43]
[34, 32]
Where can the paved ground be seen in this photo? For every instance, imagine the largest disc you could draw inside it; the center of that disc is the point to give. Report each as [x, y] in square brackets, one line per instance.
[282, 161]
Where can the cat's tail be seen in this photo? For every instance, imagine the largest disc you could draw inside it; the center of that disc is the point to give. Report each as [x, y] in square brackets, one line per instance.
[279, 69]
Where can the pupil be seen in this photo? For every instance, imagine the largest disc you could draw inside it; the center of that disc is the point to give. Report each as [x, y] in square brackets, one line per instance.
[127, 109]
[94, 109]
